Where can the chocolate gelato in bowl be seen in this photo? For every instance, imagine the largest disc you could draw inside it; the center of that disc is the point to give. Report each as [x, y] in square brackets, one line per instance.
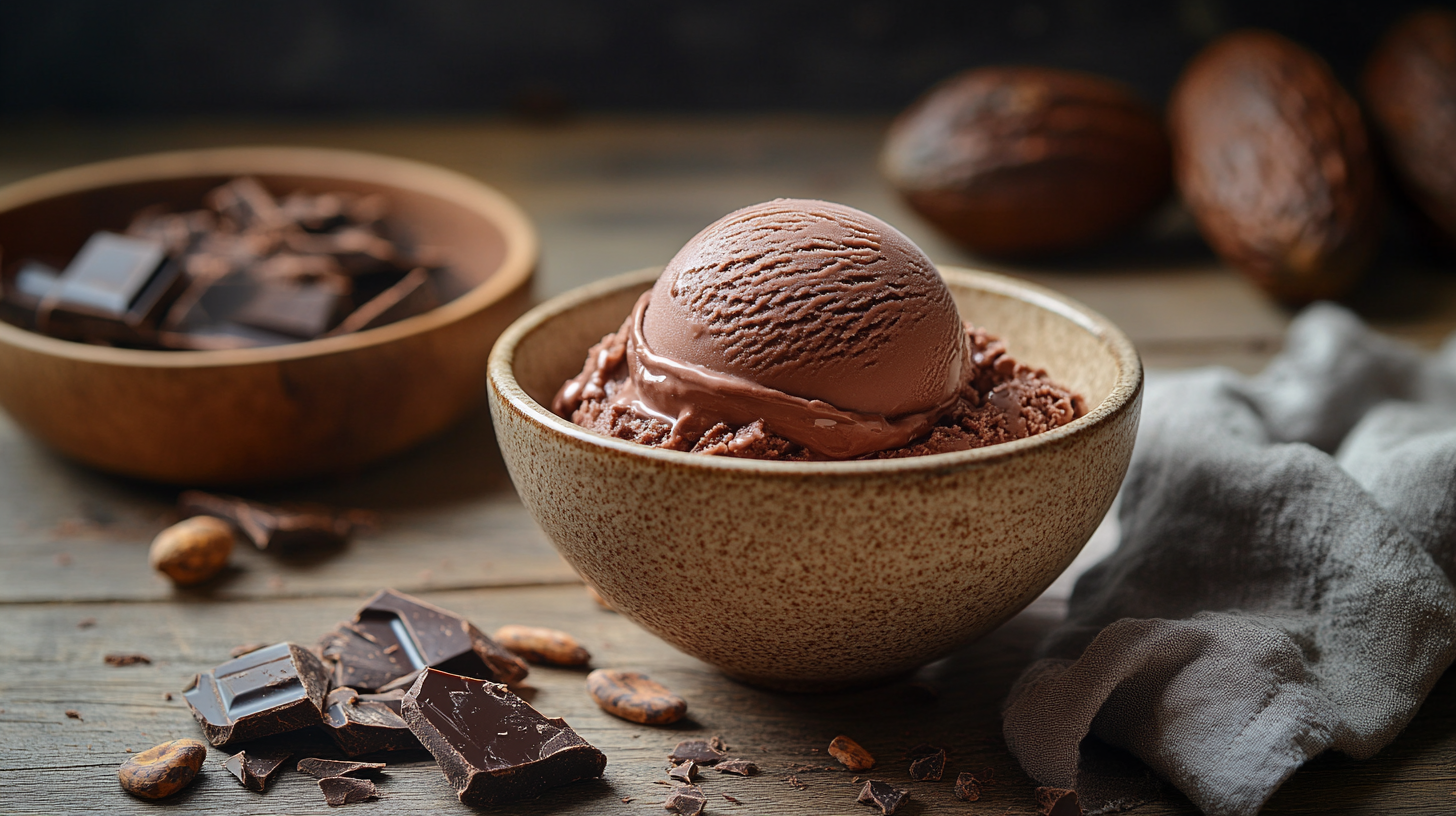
[792, 459]
[805, 330]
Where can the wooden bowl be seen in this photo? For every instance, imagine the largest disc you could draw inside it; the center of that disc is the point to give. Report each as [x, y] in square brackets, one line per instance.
[284, 412]
[809, 576]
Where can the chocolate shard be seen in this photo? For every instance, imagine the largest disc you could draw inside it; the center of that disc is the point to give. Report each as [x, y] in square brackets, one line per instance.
[491, 744]
[699, 751]
[738, 767]
[1057, 802]
[271, 528]
[928, 768]
[683, 771]
[686, 800]
[255, 769]
[363, 726]
[394, 635]
[325, 768]
[883, 796]
[967, 787]
[346, 790]
[273, 690]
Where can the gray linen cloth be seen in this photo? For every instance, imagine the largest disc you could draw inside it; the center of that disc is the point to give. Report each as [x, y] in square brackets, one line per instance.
[1282, 586]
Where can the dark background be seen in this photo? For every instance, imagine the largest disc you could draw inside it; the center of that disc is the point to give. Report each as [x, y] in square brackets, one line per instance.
[547, 58]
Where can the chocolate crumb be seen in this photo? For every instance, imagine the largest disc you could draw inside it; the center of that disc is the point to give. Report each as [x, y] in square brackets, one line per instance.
[626, 799]
[928, 768]
[731, 799]
[85, 623]
[739, 767]
[73, 714]
[967, 787]
[717, 744]
[167, 695]
[346, 790]
[686, 800]
[882, 795]
[794, 781]
[1057, 802]
[126, 659]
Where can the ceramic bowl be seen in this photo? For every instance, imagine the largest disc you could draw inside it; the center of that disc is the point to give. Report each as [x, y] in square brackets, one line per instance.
[284, 412]
[813, 576]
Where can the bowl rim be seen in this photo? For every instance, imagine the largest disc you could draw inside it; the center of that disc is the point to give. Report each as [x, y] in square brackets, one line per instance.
[1125, 390]
[521, 242]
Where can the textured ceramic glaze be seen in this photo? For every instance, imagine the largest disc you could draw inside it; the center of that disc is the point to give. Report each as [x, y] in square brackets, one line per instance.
[820, 575]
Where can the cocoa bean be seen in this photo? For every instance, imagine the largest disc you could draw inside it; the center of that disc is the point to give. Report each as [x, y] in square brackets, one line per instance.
[1410, 88]
[1273, 159]
[1015, 161]
[635, 697]
[851, 754]
[162, 770]
[194, 550]
[537, 644]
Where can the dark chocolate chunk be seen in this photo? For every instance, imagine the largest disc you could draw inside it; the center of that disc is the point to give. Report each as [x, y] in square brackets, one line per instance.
[928, 768]
[699, 751]
[683, 771]
[967, 787]
[302, 312]
[325, 768]
[362, 726]
[883, 796]
[393, 635]
[492, 745]
[269, 691]
[114, 290]
[1057, 802]
[126, 659]
[686, 800]
[346, 790]
[271, 528]
[738, 767]
[257, 768]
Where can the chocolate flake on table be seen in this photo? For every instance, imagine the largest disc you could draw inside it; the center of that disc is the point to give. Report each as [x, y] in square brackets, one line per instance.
[273, 529]
[273, 690]
[928, 768]
[347, 790]
[737, 767]
[366, 723]
[686, 800]
[795, 782]
[257, 768]
[967, 787]
[85, 623]
[699, 751]
[492, 745]
[394, 635]
[732, 799]
[683, 771]
[73, 714]
[883, 796]
[1057, 802]
[126, 659]
[851, 754]
[325, 768]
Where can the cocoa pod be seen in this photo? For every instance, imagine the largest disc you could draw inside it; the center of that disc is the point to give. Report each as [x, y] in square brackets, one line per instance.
[192, 551]
[1410, 88]
[851, 754]
[635, 697]
[1272, 158]
[162, 770]
[1028, 161]
[537, 644]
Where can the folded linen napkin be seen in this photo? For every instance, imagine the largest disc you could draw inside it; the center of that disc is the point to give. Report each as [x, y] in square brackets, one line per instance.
[1282, 586]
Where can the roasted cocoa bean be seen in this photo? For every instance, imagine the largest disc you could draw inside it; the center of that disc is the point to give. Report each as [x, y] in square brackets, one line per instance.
[851, 754]
[537, 644]
[192, 551]
[635, 697]
[162, 770]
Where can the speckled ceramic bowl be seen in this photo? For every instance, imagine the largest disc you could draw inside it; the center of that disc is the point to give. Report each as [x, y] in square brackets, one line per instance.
[814, 576]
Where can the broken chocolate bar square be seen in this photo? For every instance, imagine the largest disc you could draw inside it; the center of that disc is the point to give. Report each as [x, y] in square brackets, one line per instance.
[699, 751]
[270, 691]
[359, 725]
[883, 796]
[395, 634]
[686, 800]
[492, 745]
[257, 768]
[113, 290]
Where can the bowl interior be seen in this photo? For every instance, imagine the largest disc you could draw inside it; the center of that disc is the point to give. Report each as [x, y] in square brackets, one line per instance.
[52, 230]
[1039, 328]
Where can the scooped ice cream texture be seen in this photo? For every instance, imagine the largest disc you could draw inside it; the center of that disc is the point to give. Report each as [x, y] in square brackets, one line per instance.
[807, 330]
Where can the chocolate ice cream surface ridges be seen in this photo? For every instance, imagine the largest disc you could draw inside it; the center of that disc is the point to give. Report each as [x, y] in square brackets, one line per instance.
[806, 330]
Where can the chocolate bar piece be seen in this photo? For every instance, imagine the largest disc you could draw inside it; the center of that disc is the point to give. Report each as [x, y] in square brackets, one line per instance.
[114, 289]
[256, 769]
[492, 745]
[395, 634]
[271, 528]
[361, 725]
[273, 690]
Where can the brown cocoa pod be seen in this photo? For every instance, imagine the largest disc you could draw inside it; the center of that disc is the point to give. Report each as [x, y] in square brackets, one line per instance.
[851, 754]
[1273, 159]
[1015, 161]
[537, 644]
[635, 697]
[162, 770]
[1410, 89]
[193, 550]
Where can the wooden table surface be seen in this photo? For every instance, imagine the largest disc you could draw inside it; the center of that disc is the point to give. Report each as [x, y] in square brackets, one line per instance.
[608, 195]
